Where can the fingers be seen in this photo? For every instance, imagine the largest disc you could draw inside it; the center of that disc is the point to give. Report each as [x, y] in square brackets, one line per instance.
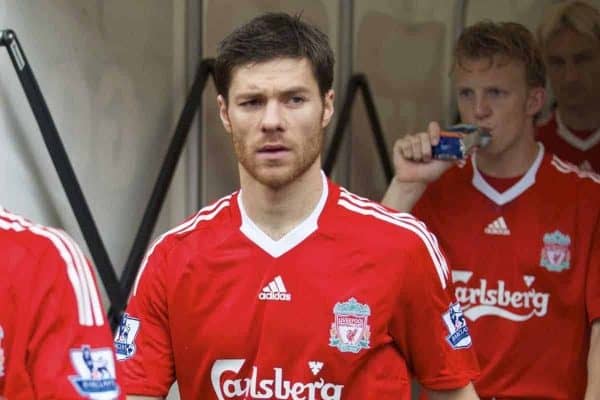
[410, 147]
[417, 147]
[434, 132]
[403, 147]
[425, 146]
[418, 143]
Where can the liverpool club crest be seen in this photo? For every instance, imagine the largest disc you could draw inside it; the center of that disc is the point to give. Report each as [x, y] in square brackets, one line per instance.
[350, 331]
[556, 255]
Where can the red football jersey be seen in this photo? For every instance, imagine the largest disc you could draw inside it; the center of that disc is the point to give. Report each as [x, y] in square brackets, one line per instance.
[526, 273]
[54, 338]
[560, 140]
[343, 306]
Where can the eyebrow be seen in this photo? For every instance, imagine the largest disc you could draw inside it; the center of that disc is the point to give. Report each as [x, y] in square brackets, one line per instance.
[286, 92]
[583, 52]
[488, 87]
[296, 89]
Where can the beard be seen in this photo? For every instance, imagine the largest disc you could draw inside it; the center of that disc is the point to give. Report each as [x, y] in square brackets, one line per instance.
[276, 174]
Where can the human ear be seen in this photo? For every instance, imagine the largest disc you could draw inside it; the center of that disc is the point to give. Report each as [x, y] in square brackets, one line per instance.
[222, 103]
[535, 100]
[327, 107]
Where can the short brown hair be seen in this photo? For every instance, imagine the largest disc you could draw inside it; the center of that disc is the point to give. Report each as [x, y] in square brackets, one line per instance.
[578, 16]
[510, 40]
[270, 36]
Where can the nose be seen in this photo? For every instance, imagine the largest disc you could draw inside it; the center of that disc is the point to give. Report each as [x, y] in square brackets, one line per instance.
[482, 109]
[272, 119]
[571, 72]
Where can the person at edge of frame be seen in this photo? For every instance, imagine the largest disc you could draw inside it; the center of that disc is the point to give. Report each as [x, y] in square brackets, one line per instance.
[520, 225]
[55, 340]
[569, 38]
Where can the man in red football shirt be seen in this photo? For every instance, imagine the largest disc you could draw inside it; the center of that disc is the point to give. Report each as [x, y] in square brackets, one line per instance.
[569, 36]
[55, 342]
[520, 226]
[292, 287]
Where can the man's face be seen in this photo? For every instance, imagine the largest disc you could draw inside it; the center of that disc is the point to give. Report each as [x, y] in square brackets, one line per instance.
[573, 65]
[276, 117]
[496, 96]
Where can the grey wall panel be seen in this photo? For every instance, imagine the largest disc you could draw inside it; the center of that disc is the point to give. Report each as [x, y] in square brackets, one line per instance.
[402, 46]
[526, 12]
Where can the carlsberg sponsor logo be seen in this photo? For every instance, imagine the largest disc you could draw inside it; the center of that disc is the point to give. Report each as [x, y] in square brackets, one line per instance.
[495, 299]
[276, 388]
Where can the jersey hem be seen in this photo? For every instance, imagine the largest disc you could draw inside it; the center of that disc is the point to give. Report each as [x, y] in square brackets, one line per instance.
[133, 390]
[595, 317]
[449, 383]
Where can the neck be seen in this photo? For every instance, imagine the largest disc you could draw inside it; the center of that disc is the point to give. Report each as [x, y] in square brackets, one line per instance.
[580, 118]
[510, 163]
[278, 211]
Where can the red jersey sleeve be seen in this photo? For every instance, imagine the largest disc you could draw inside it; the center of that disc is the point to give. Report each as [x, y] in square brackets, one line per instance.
[62, 348]
[142, 340]
[592, 289]
[428, 324]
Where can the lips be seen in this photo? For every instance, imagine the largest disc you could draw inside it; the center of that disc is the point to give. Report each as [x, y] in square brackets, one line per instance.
[488, 129]
[272, 148]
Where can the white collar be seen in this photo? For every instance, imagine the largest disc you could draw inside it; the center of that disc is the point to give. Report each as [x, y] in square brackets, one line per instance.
[276, 248]
[574, 140]
[515, 190]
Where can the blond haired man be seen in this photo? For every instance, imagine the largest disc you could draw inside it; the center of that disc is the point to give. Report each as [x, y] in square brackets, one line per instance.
[569, 36]
[520, 226]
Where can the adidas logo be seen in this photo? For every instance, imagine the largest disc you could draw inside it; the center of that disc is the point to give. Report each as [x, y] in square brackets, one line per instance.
[275, 290]
[497, 227]
[315, 366]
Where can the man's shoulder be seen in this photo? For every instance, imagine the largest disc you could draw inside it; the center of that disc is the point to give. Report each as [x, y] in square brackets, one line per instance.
[374, 222]
[208, 223]
[566, 171]
[399, 237]
[198, 232]
[24, 242]
[566, 181]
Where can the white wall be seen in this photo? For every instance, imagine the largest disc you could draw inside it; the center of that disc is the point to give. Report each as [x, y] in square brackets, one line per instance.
[113, 76]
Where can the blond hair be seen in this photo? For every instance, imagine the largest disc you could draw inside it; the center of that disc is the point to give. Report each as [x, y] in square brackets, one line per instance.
[578, 16]
[509, 40]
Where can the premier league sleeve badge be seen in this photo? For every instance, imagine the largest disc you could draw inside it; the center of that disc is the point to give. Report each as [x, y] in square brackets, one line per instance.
[95, 369]
[125, 337]
[458, 336]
